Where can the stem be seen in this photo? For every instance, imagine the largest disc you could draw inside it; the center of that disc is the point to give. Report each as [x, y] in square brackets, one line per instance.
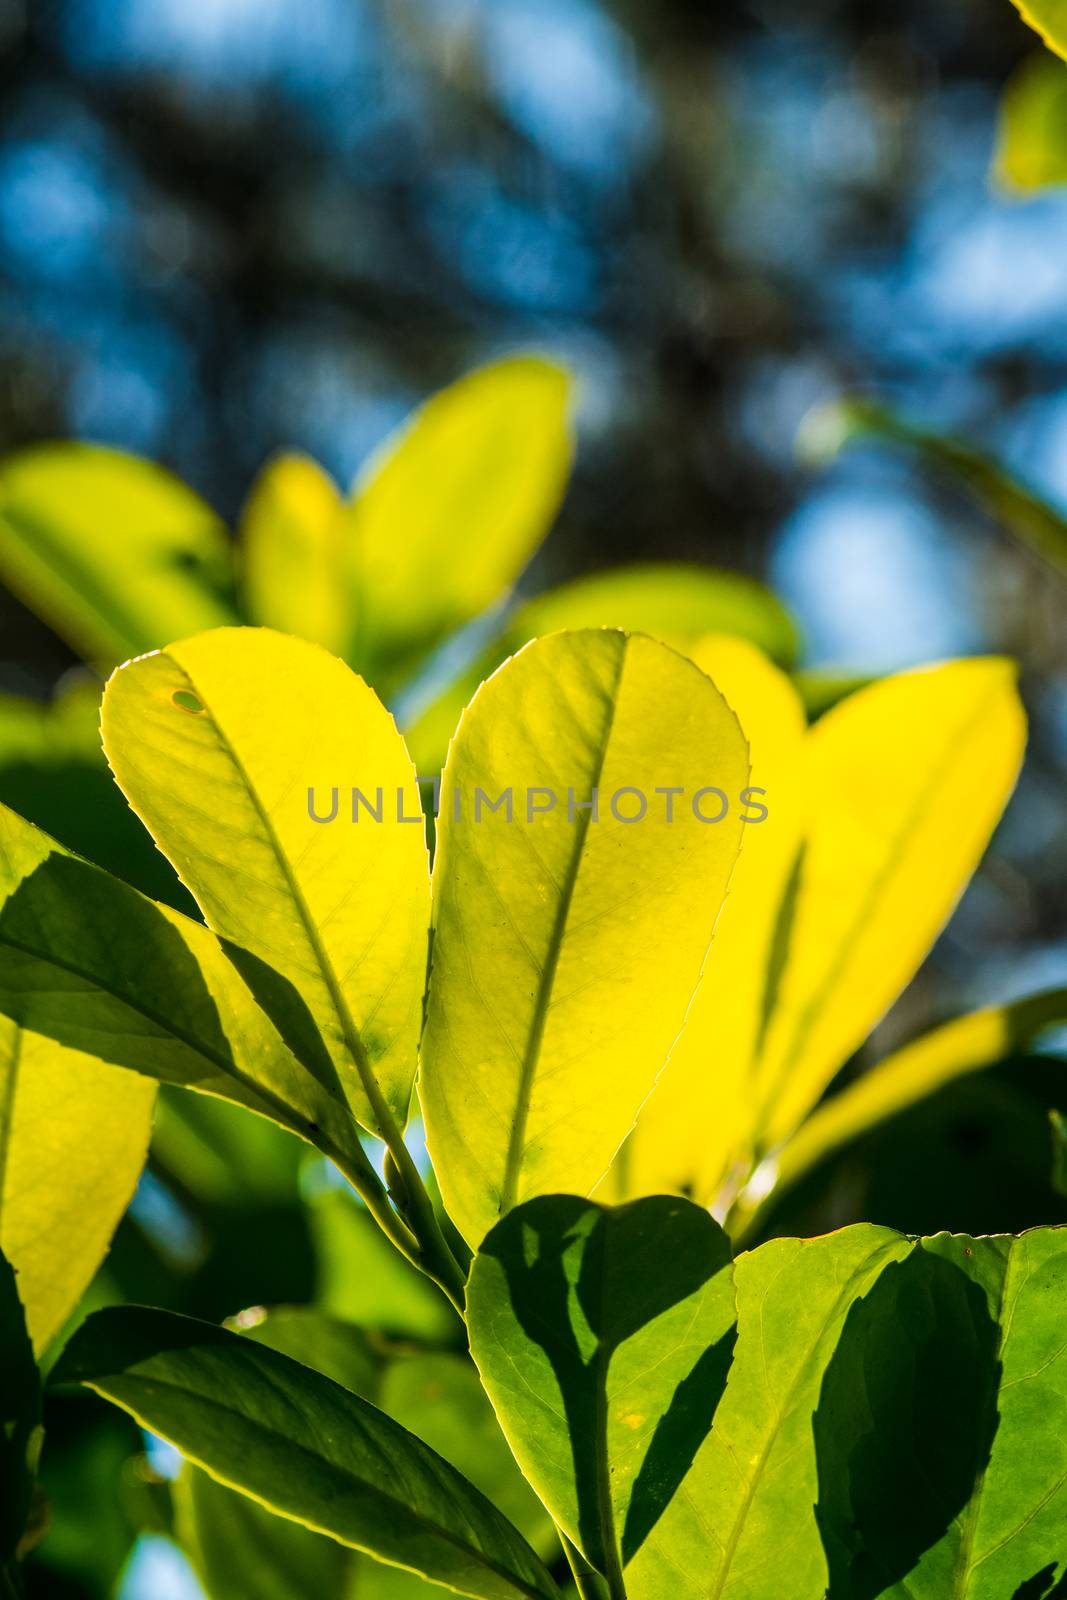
[436, 1256]
[589, 1583]
[417, 1246]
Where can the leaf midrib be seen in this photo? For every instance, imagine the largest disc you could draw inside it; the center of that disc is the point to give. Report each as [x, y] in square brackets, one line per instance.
[532, 1053]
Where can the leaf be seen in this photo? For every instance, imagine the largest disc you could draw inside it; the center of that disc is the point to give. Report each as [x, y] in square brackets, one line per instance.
[953, 1368]
[913, 1393]
[1017, 508]
[675, 602]
[966, 1044]
[1049, 18]
[447, 514]
[603, 1338]
[698, 1120]
[113, 552]
[741, 1526]
[92, 964]
[1031, 148]
[20, 1416]
[901, 786]
[244, 1552]
[566, 952]
[293, 555]
[304, 1447]
[223, 744]
[73, 1140]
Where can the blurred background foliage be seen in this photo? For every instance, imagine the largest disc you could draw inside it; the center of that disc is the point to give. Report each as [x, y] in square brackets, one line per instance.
[230, 228]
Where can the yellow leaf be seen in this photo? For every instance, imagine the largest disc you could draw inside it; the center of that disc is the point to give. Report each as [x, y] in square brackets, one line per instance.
[964, 1045]
[698, 1120]
[293, 558]
[224, 744]
[1049, 19]
[447, 514]
[73, 1139]
[112, 551]
[1031, 148]
[901, 786]
[567, 949]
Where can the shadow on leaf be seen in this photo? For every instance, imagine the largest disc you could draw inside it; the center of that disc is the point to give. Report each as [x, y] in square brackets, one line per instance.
[905, 1422]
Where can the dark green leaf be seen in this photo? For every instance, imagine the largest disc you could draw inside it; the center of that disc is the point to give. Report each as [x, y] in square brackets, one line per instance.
[304, 1447]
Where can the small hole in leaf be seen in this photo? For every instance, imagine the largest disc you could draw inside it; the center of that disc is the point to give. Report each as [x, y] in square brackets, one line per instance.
[185, 700]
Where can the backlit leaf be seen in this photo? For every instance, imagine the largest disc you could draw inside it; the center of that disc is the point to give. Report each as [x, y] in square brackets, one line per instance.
[246, 1414]
[566, 950]
[295, 576]
[604, 1338]
[73, 1139]
[1031, 150]
[900, 788]
[445, 517]
[698, 1119]
[223, 744]
[113, 552]
[1049, 18]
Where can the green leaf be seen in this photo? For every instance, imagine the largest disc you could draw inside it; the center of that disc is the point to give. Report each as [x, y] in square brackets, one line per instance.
[304, 1447]
[604, 1338]
[1003, 497]
[73, 1141]
[953, 1368]
[913, 1393]
[113, 552]
[1031, 148]
[675, 602]
[244, 1552]
[223, 744]
[566, 950]
[447, 514]
[92, 964]
[20, 1416]
[1049, 18]
[966, 1044]
[293, 554]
